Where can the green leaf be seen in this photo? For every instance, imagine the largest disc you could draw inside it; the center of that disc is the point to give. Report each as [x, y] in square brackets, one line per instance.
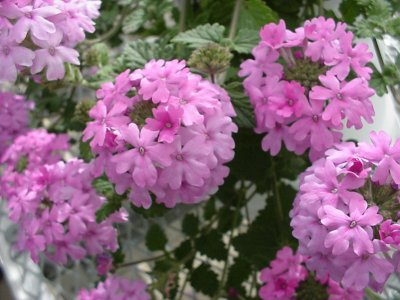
[137, 53]
[377, 82]
[22, 164]
[254, 14]
[241, 103]
[238, 272]
[201, 35]
[156, 238]
[107, 209]
[204, 280]
[104, 187]
[190, 225]
[209, 209]
[225, 217]
[183, 253]
[391, 74]
[211, 245]
[250, 162]
[118, 257]
[350, 9]
[393, 27]
[156, 210]
[134, 21]
[245, 40]
[85, 151]
[267, 233]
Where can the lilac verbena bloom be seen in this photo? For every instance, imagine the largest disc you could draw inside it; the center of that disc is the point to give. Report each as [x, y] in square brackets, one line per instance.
[162, 133]
[116, 288]
[38, 34]
[346, 213]
[315, 66]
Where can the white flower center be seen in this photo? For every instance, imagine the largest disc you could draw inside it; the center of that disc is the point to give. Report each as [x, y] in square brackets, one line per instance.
[52, 51]
[353, 224]
[142, 150]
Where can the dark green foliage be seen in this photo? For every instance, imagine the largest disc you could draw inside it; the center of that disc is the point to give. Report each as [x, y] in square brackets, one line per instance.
[190, 225]
[238, 273]
[155, 211]
[205, 280]
[211, 245]
[156, 238]
[267, 233]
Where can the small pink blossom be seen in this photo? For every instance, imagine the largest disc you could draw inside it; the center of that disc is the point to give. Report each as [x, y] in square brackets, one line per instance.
[167, 122]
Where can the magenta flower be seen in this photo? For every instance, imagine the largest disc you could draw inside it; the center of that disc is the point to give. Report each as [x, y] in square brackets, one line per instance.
[140, 160]
[322, 32]
[264, 62]
[272, 142]
[384, 156]
[390, 233]
[291, 102]
[339, 94]
[33, 18]
[53, 56]
[12, 55]
[321, 48]
[167, 122]
[188, 164]
[367, 269]
[160, 77]
[311, 126]
[116, 288]
[104, 263]
[351, 58]
[55, 27]
[274, 35]
[105, 121]
[31, 240]
[355, 227]
[172, 111]
[324, 185]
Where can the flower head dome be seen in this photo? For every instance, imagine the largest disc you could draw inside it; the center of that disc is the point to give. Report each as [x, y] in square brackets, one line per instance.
[162, 131]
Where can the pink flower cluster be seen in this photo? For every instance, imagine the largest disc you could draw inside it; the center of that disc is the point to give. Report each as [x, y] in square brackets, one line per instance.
[117, 288]
[304, 84]
[14, 118]
[53, 202]
[346, 213]
[283, 280]
[162, 131]
[41, 34]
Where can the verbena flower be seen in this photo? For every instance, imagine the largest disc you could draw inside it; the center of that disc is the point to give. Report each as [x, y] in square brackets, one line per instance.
[345, 215]
[288, 278]
[37, 35]
[118, 288]
[303, 100]
[162, 132]
[14, 118]
[54, 203]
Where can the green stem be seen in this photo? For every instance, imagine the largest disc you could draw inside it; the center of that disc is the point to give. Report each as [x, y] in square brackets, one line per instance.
[278, 203]
[183, 287]
[382, 65]
[136, 262]
[321, 8]
[241, 197]
[235, 20]
[113, 31]
[183, 15]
